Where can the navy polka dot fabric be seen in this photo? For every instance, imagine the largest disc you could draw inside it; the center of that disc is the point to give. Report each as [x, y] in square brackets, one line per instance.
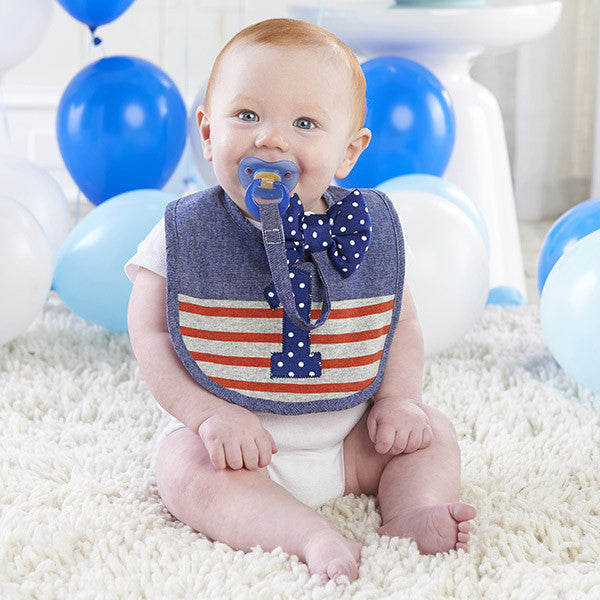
[344, 232]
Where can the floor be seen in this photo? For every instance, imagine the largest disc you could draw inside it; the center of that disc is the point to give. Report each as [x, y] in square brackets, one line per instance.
[532, 235]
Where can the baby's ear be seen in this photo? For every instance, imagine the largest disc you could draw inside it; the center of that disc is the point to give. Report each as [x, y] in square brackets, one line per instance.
[204, 127]
[357, 144]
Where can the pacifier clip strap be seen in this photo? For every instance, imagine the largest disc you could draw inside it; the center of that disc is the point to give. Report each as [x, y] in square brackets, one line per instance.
[274, 241]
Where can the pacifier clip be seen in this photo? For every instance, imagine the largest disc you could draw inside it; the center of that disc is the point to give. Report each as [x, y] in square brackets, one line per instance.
[270, 181]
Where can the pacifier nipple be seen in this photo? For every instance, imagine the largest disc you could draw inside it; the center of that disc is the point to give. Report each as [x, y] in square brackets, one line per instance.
[267, 181]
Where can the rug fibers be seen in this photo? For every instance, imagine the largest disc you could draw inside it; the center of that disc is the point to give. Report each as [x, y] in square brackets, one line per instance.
[81, 516]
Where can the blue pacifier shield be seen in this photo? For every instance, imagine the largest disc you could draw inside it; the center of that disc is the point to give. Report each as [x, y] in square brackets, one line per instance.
[267, 181]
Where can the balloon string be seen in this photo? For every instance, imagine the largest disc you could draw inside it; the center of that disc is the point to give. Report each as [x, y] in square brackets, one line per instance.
[188, 178]
[77, 206]
[186, 44]
[320, 14]
[97, 41]
[4, 115]
[94, 42]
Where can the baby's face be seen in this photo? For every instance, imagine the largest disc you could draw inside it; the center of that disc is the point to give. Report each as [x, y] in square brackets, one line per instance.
[281, 104]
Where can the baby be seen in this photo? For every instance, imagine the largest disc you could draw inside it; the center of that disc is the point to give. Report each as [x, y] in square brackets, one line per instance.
[273, 413]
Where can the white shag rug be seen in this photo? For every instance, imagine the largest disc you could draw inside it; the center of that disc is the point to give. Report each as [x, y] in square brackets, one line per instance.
[81, 516]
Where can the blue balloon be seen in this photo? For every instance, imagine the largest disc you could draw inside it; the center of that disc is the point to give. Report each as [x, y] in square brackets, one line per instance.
[89, 276]
[410, 114]
[576, 223]
[569, 311]
[96, 12]
[440, 187]
[121, 126]
[505, 295]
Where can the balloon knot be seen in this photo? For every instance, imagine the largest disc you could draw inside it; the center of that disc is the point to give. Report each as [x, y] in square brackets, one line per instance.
[97, 40]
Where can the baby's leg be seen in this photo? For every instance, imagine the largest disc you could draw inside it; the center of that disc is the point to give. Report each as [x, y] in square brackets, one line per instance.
[245, 509]
[419, 492]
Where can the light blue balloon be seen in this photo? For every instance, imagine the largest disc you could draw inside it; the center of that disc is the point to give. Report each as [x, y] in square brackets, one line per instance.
[505, 295]
[89, 276]
[443, 188]
[565, 232]
[570, 311]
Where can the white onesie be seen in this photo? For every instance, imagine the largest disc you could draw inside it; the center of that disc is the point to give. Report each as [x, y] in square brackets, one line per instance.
[310, 459]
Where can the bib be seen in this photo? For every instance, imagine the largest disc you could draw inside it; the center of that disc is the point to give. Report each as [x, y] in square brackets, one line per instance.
[231, 333]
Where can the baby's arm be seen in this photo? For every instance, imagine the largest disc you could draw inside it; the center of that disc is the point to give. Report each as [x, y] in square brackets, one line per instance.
[233, 436]
[397, 423]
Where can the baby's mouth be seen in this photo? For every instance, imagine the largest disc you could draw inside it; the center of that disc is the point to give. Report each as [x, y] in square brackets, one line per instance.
[267, 181]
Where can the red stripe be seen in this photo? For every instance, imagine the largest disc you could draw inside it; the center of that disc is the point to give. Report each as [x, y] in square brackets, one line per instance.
[316, 338]
[268, 313]
[223, 311]
[355, 361]
[247, 361]
[343, 338]
[303, 388]
[236, 361]
[357, 311]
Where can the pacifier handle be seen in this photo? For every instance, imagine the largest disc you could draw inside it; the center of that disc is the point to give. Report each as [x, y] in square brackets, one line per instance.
[267, 181]
[253, 206]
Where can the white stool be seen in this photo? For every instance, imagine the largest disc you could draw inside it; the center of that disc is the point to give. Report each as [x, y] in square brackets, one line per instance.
[447, 41]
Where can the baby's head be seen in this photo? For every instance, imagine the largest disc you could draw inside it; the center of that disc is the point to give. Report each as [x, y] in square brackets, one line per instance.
[285, 90]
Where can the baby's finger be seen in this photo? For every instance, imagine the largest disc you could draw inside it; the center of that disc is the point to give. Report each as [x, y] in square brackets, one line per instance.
[250, 455]
[413, 443]
[384, 438]
[372, 428]
[233, 456]
[216, 453]
[427, 437]
[400, 440]
[265, 447]
[272, 442]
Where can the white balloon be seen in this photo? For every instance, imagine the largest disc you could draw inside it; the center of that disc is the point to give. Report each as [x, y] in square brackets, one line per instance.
[204, 167]
[447, 267]
[25, 268]
[40, 193]
[22, 26]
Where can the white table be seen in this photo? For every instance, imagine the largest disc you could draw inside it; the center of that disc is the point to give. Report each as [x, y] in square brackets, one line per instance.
[447, 41]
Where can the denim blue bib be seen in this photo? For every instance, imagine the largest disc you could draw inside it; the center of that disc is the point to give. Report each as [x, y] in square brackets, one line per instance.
[228, 326]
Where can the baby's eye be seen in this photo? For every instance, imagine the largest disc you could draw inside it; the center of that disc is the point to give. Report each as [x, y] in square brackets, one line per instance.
[248, 115]
[304, 123]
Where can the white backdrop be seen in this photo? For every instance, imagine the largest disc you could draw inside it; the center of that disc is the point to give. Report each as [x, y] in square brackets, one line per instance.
[547, 91]
[548, 95]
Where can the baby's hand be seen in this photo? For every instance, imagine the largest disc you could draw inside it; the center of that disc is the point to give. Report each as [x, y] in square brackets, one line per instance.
[234, 437]
[398, 426]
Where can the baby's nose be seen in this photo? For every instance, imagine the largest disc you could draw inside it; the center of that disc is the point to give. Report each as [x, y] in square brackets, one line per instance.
[272, 138]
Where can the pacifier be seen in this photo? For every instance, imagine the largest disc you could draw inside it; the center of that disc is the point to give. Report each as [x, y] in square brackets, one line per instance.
[267, 181]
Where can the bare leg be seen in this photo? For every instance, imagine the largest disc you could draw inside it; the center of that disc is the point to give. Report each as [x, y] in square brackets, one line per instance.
[245, 509]
[419, 492]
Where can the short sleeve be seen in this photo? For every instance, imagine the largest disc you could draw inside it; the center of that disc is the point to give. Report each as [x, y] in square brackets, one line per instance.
[151, 253]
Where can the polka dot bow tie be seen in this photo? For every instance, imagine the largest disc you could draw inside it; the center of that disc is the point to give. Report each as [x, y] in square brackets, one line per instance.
[344, 231]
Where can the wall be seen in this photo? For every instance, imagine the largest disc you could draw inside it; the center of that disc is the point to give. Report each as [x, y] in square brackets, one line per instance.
[184, 36]
[156, 30]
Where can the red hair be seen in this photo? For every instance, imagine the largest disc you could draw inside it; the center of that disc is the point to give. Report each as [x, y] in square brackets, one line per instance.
[293, 33]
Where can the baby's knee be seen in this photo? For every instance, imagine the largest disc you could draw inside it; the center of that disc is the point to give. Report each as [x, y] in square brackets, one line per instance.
[441, 426]
[181, 474]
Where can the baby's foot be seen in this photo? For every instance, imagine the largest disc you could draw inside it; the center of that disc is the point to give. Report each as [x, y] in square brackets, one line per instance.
[329, 554]
[436, 528]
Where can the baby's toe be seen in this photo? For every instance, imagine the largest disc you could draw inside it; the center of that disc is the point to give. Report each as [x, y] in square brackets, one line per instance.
[338, 568]
[464, 526]
[461, 511]
[463, 537]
